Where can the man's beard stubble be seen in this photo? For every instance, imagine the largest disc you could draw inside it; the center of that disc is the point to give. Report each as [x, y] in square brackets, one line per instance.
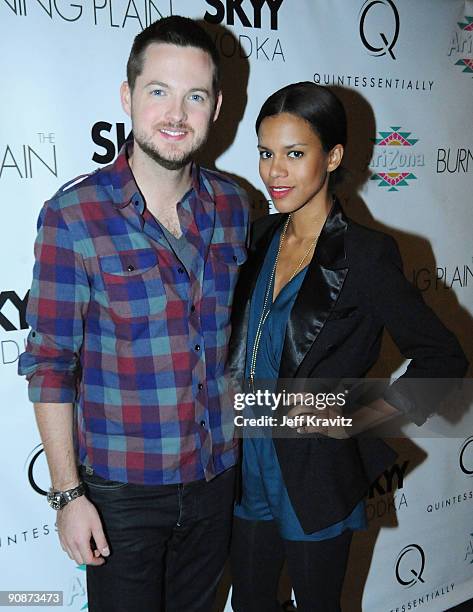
[176, 162]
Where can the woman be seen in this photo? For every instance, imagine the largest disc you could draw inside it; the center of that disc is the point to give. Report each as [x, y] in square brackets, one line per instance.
[311, 303]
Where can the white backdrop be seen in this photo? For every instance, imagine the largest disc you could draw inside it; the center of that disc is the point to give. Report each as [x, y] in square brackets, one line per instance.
[405, 72]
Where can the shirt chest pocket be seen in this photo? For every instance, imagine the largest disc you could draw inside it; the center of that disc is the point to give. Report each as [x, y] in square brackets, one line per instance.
[225, 261]
[133, 283]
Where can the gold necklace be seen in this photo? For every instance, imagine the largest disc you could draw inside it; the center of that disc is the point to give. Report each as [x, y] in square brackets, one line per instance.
[264, 312]
[312, 245]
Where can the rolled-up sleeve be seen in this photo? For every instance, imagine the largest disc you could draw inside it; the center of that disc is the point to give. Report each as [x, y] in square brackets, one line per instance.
[57, 304]
[437, 358]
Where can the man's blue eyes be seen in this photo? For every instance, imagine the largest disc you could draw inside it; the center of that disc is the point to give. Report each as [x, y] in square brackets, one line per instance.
[194, 97]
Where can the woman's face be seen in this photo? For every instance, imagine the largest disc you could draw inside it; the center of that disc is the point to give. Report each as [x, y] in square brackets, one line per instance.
[293, 165]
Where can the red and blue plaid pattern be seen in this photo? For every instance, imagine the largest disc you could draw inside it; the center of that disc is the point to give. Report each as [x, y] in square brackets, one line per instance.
[123, 330]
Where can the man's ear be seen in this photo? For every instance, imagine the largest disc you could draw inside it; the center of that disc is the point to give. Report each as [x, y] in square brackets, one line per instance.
[218, 105]
[125, 97]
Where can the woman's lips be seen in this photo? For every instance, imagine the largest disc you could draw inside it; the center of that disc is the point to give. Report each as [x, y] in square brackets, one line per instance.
[277, 193]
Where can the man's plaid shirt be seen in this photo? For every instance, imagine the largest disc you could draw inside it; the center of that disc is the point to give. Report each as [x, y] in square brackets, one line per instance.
[122, 329]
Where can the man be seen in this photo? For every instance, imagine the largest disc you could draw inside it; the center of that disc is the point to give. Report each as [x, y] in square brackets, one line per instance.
[129, 310]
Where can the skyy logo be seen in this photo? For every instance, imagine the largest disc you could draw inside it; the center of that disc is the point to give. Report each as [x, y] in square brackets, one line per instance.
[111, 145]
[12, 319]
[410, 565]
[386, 495]
[13, 300]
[250, 13]
[393, 159]
[389, 481]
[379, 27]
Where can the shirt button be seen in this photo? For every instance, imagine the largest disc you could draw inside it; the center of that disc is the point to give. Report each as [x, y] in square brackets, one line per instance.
[200, 386]
[234, 258]
[197, 347]
[192, 308]
[180, 270]
[33, 334]
[130, 268]
[202, 424]
[136, 203]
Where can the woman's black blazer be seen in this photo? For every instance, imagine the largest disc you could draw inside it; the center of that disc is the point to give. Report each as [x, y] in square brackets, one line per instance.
[354, 287]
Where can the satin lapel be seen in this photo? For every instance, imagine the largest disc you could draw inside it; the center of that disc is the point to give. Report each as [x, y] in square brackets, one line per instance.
[318, 293]
[244, 291]
[259, 248]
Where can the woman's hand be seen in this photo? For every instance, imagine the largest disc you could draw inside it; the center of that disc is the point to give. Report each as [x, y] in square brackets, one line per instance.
[328, 422]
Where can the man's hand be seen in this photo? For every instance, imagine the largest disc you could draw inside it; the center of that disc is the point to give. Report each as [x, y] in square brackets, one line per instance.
[78, 522]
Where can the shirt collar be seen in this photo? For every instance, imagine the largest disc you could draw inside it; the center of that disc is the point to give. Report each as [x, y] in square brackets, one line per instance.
[124, 189]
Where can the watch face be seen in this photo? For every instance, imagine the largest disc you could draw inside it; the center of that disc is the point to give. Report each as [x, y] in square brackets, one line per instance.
[58, 499]
[54, 500]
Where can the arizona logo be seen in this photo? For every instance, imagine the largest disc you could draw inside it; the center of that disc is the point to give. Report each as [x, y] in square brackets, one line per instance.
[393, 159]
[462, 45]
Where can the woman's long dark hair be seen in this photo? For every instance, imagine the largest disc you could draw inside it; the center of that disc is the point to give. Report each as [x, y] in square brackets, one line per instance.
[317, 105]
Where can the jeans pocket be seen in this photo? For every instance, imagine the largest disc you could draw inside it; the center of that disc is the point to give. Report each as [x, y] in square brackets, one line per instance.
[96, 482]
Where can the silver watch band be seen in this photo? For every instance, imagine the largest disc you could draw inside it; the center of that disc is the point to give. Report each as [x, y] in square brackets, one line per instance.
[58, 499]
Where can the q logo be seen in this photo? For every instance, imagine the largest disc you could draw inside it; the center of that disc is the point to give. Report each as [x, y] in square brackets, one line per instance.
[410, 565]
[374, 33]
[37, 469]
[465, 457]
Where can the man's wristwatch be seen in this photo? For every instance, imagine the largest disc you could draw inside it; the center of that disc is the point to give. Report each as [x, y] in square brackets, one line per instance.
[58, 499]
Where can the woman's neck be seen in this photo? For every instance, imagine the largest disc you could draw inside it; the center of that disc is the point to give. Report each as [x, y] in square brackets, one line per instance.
[309, 220]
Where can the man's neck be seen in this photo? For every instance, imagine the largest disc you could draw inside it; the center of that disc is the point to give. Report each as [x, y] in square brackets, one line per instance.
[161, 188]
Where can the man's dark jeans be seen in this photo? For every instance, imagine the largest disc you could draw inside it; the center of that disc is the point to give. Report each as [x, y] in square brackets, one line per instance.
[168, 544]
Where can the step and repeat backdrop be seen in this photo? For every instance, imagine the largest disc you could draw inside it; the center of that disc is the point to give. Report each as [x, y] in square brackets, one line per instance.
[404, 71]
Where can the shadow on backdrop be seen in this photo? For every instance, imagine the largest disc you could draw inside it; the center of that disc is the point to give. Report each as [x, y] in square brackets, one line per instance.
[235, 77]
[416, 250]
[386, 497]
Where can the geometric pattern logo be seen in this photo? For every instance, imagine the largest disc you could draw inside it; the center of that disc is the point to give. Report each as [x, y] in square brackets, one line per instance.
[466, 63]
[82, 568]
[469, 550]
[393, 180]
[77, 592]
